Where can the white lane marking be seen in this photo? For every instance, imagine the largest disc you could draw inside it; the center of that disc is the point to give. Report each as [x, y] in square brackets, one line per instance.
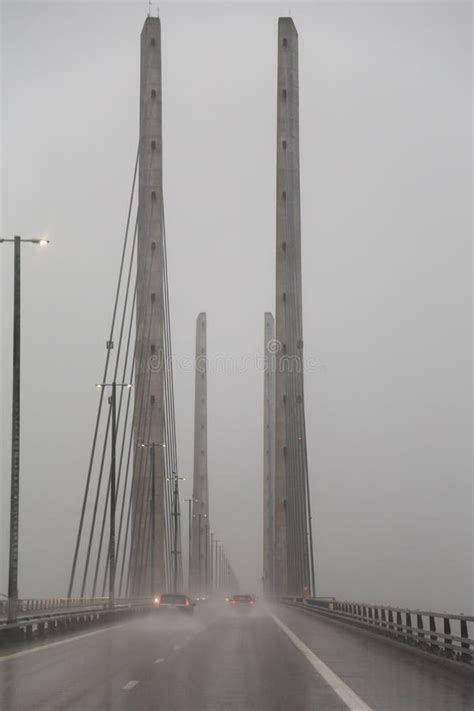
[62, 641]
[344, 692]
[130, 684]
[176, 647]
[159, 661]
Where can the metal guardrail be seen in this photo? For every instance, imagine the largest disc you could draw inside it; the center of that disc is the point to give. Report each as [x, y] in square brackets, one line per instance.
[441, 633]
[52, 603]
[40, 617]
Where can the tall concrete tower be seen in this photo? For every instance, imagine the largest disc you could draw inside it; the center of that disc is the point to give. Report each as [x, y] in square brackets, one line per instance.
[149, 360]
[268, 453]
[200, 524]
[290, 438]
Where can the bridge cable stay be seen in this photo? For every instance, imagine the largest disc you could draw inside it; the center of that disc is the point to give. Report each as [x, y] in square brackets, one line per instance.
[99, 410]
[99, 482]
[127, 473]
[119, 412]
[103, 459]
[124, 492]
[130, 493]
[130, 441]
[122, 449]
[101, 398]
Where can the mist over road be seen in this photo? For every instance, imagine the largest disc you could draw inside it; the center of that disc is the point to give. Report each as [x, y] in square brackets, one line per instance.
[221, 659]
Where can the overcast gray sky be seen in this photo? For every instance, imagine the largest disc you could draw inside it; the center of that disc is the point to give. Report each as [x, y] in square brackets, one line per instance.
[385, 102]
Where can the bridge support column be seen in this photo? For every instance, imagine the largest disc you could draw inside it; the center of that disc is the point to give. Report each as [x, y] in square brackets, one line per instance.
[149, 358]
[200, 522]
[292, 515]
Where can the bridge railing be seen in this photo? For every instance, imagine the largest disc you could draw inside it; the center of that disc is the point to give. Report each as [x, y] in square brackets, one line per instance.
[37, 618]
[37, 607]
[52, 603]
[442, 633]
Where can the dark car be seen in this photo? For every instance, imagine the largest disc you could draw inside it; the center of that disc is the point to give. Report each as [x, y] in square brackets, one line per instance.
[242, 602]
[172, 602]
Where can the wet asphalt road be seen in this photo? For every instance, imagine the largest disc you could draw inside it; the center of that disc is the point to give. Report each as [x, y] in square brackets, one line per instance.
[220, 660]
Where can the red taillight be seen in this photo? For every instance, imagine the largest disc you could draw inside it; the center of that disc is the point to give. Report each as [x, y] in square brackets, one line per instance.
[232, 602]
[252, 602]
[157, 600]
[186, 604]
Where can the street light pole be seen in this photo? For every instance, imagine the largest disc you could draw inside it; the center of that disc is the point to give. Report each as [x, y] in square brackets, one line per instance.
[189, 501]
[15, 475]
[206, 560]
[15, 461]
[221, 566]
[211, 566]
[199, 555]
[200, 516]
[176, 514]
[112, 498]
[217, 566]
[113, 488]
[153, 522]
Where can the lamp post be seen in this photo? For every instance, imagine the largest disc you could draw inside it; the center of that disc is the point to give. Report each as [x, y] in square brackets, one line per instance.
[152, 446]
[206, 559]
[200, 516]
[113, 494]
[217, 566]
[190, 502]
[15, 461]
[175, 513]
[211, 565]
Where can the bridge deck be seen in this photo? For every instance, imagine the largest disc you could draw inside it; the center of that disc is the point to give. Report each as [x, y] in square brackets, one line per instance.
[223, 660]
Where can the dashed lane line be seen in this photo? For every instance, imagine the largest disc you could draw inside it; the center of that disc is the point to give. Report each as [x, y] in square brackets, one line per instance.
[345, 693]
[160, 660]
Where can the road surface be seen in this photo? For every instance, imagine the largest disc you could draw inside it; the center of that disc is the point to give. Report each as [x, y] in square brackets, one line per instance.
[271, 659]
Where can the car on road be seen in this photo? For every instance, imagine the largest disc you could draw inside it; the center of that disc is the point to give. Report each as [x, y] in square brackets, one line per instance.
[173, 602]
[242, 602]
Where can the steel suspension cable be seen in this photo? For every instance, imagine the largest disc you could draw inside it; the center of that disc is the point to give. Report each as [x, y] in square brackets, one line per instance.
[99, 410]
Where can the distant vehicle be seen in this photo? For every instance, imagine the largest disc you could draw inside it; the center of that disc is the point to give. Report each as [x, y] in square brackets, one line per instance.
[173, 602]
[243, 602]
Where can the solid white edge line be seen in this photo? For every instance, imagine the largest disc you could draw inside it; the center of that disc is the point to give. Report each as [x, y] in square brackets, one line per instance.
[130, 684]
[345, 693]
[76, 637]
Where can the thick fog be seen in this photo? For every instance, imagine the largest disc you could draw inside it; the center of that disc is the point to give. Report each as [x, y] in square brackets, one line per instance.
[385, 118]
